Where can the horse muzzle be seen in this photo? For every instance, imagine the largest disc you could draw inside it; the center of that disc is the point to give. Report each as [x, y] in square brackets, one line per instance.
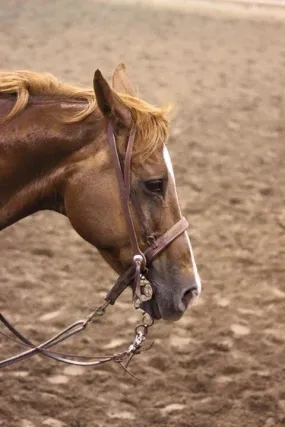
[170, 299]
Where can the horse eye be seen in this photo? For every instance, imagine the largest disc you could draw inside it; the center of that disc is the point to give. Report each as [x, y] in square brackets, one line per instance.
[155, 186]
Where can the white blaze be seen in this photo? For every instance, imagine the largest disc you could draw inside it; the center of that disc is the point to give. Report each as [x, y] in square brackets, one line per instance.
[195, 269]
[168, 161]
[169, 166]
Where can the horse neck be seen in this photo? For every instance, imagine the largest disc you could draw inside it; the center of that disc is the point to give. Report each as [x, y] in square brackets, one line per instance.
[37, 151]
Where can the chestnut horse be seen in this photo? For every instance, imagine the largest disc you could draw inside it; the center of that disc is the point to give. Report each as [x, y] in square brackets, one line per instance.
[54, 155]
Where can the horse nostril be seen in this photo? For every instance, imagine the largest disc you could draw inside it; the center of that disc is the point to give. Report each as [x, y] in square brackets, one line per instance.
[188, 295]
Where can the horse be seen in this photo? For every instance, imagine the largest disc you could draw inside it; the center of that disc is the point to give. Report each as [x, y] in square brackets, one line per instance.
[55, 154]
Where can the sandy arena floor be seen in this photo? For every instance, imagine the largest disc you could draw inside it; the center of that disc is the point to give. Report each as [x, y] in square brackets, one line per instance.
[223, 364]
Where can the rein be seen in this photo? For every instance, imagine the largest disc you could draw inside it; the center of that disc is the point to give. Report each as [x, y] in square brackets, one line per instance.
[134, 276]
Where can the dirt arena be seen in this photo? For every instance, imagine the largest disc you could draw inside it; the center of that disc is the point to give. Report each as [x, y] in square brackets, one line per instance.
[223, 364]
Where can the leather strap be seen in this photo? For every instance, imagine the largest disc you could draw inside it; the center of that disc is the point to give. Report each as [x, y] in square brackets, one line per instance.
[166, 239]
[125, 184]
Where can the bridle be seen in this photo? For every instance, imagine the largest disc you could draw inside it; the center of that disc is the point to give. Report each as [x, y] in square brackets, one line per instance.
[140, 260]
[133, 276]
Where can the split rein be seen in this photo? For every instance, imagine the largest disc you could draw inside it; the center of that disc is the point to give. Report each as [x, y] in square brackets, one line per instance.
[133, 276]
[43, 349]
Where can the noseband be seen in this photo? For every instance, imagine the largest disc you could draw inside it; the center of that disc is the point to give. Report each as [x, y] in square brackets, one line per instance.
[133, 276]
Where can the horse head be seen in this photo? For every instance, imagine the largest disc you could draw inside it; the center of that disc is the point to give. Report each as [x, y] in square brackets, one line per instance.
[93, 201]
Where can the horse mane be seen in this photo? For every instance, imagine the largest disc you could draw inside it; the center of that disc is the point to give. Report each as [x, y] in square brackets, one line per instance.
[150, 121]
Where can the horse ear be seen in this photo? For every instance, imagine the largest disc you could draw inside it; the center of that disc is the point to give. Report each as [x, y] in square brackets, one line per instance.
[121, 82]
[109, 102]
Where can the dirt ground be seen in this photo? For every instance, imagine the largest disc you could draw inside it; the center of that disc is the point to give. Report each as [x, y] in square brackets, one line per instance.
[223, 364]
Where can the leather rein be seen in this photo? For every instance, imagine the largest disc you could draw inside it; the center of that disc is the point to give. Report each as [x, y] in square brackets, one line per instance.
[133, 276]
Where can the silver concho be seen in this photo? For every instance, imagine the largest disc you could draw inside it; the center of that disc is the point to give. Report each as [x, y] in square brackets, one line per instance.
[146, 293]
[146, 289]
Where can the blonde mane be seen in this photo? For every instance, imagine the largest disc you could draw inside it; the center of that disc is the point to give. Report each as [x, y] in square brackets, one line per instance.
[150, 121]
